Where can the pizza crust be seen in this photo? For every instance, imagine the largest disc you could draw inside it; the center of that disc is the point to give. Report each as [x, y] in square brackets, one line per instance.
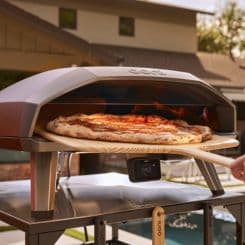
[185, 133]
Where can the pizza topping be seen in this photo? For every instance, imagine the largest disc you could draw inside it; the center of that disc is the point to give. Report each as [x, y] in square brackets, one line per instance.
[130, 128]
[144, 124]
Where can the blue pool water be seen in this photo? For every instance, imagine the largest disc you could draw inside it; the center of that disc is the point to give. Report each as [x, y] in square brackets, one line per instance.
[186, 229]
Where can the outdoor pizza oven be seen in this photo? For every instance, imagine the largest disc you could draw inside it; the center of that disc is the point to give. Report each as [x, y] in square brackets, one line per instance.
[115, 90]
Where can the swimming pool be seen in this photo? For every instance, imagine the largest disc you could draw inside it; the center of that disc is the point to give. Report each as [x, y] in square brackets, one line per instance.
[187, 229]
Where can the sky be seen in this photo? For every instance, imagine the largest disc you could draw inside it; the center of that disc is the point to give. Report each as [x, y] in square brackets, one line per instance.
[240, 3]
[205, 5]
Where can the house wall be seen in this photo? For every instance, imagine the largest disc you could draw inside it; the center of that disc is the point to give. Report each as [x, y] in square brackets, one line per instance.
[44, 11]
[15, 36]
[23, 48]
[155, 28]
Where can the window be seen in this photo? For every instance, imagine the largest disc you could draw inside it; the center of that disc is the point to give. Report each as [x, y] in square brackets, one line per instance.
[68, 18]
[126, 26]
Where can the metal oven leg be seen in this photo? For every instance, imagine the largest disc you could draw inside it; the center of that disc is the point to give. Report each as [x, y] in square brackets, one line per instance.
[210, 175]
[208, 225]
[43, 176]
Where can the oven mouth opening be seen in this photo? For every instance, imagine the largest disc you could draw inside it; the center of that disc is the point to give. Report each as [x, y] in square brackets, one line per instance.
[190, 101]
[192, 114]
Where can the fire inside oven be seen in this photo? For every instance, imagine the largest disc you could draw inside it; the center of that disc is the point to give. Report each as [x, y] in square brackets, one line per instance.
[171, 100]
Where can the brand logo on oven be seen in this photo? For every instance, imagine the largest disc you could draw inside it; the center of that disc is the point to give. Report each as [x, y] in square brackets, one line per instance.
[153, 72]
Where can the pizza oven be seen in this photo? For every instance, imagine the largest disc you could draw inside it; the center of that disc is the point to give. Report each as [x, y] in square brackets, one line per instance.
[115, 90]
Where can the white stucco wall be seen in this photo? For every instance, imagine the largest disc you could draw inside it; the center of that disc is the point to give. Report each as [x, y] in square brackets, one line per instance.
[102, 28]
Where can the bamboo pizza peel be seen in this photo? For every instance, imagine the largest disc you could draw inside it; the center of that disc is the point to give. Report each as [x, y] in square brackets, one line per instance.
[198, 151]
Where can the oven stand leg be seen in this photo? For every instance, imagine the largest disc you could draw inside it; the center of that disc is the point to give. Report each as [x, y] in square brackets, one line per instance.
[210, 175]
[43, 176]
[31, 239]
[99, 232]
[47, 238]
[114, 232]
[238, 211]
[208, 224]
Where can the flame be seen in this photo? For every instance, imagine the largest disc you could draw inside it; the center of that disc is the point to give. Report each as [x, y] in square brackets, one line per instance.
[192, 114]
[177, 111]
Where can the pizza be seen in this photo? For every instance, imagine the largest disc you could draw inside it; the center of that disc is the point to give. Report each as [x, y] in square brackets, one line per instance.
[148, 129]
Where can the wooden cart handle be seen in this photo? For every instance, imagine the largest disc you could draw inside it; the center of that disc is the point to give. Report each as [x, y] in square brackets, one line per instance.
[158, 226]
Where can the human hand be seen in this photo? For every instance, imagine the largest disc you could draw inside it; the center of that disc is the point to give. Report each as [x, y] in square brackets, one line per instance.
[238, 168]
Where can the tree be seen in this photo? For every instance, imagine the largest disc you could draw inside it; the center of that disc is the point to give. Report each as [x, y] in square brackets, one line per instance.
[210, 40]
[225, 33]
[231, 24]
[242, 48]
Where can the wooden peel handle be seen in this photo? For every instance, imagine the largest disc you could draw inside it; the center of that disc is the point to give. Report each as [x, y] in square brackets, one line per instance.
[206, 156]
